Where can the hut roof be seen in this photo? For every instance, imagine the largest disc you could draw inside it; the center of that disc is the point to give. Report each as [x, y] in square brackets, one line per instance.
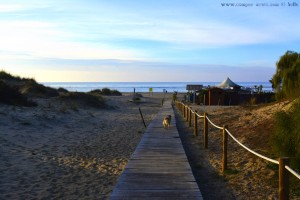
[227, 83]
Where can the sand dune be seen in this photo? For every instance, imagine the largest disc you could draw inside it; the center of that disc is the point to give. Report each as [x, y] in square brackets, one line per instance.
[64, 151]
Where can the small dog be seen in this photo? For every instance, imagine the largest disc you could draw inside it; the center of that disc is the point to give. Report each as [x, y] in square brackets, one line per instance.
[167, 121]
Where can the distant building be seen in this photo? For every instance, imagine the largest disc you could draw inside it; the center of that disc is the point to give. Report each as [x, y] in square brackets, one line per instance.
[194, 87]
[216, 96]
[229, 93]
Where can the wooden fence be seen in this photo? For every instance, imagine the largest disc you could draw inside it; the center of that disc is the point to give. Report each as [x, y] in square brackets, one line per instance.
[283, 162]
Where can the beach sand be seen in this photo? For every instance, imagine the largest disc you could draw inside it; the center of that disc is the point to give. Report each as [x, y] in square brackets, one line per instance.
[60, 150]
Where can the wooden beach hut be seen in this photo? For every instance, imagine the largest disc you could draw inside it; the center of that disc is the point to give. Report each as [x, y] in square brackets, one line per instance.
[216, 96]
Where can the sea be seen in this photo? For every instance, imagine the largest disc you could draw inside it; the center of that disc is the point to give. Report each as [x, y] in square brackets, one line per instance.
[145, 86]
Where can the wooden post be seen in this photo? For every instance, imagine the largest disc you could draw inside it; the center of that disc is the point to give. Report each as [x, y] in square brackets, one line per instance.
[195, 124]
[184, 111]
[224, 155]
[190, 117]
[142, 117]
[205, 132]
[187, 113]
[283, 179]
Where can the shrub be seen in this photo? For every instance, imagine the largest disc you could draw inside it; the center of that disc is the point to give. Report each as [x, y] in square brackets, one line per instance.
[11, 95]
[286, 138]
[62, 90]
[84, 99]
[28, 87]
[106, 92]
[116, 93]
[6, 76]
[32, 88]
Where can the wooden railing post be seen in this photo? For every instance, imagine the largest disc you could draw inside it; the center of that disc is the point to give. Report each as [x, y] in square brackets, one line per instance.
[195, 124]
[205, 132]
[190, 117]
[181, 108]
[184, 112]
[283, 179]
[224, 155]
[187, 113]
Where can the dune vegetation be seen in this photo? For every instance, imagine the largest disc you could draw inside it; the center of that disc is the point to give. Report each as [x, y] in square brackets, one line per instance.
[18, 91]
[286, 82]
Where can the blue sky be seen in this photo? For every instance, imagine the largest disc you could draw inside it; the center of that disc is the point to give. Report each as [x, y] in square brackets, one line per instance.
[142, 40]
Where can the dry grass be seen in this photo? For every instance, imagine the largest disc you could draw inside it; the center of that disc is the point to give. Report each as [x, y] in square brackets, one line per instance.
[248, 176]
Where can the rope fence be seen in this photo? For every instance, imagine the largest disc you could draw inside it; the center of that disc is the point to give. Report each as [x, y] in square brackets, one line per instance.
[251, 151]
[283, 162]
[219, 127]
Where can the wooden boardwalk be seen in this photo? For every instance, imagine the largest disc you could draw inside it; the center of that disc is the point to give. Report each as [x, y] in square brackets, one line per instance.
[158, 169]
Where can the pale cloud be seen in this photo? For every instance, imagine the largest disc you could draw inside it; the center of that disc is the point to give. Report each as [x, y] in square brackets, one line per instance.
[44, 40]
[142, 40]
[201, 35]
[11, 7]
[17, 7]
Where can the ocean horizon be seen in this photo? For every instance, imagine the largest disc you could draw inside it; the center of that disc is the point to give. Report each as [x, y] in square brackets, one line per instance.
[144, 86]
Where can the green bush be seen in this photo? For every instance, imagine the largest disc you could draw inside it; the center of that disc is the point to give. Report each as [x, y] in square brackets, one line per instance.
[286, 80]
[286, 138]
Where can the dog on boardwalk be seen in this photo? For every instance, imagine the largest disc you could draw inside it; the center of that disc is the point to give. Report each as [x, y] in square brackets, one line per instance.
[167, 121]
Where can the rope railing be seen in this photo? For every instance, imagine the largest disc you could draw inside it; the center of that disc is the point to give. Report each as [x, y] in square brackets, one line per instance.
[283, 162]
[201, 116]
[251, 151]
[293, 172]
[219, 127]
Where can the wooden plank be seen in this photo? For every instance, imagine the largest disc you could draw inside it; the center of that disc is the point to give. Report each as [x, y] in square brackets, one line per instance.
[175, 176]
[151, 184]
[159, 168]
[157, 194]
